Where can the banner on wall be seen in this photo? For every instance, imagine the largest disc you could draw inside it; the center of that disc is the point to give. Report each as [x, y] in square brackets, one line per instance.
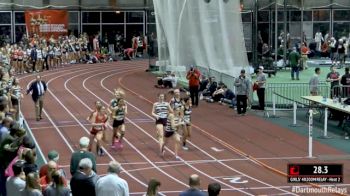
[46, 22]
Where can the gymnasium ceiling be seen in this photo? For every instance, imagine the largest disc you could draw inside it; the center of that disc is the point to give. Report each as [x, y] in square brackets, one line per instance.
[148, 4]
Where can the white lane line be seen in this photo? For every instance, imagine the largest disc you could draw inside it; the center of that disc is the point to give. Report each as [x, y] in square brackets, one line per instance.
[209, 155]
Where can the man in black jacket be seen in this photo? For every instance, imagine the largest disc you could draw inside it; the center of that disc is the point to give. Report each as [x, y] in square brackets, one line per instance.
[38, 89]
[84, 180]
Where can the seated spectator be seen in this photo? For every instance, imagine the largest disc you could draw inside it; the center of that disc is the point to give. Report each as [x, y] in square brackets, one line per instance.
[32, 185]
[15, 184]
[153, 188]
[229, 97]
[167, 81]
[29, 165]
[84, 180]
[82, 153]
[194, 189]
[214, 189]
[211, 87]
[203, 83]
[112, 184]
[58, 186]
[218, 94]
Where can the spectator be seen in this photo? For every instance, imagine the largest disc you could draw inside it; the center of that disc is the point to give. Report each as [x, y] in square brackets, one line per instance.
[58, 186]
[261, 81]
[15, 184]
[345, 81]
[194, 189]
[218, 94]
[5, 127]
[112, 184]
[46, 180]
[203, 85]
[229, 97]
[193, 76]
[211, 87]
[294, 59]
[167, 81]
[333, 77]
[84, 180]
[243, 91]
[32, 185]
[304, 55]
[214, 189]
[314, 82]
[30, 165]
[81, 154]
[153, 188]
[52, 156]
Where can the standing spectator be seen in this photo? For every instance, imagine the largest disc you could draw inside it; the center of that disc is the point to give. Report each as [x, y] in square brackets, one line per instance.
[112, 184]
[34, 57]
[304, 50]
[38, 89]
[58, 186]
[15, 184]
[261, 81]
[32, 185]
[30, 165]
[242, 91]
[96, 44]
[194, 189]
[341, 53]
[193, 76]
[52, 156]
[84, 180]
[314, 82]
[334, 48]
[333, 77]
[81, 154]
[214, 189]
[5, 128]
[294, 58]
[345, 81]
[153, 188]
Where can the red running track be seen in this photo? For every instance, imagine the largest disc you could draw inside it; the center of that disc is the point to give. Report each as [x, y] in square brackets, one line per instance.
[246, 155]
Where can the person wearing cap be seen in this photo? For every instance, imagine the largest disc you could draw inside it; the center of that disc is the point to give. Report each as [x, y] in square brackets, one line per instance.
[294, 60]
[243, 87]
[111, 184]
[81, 154]
[52, 156]
[193, 76]
[260, 82]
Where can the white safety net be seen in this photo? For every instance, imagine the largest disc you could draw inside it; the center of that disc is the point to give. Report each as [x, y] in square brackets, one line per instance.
[207, 35]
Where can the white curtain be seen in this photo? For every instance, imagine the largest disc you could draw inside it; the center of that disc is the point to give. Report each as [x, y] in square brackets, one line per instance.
[207, 35]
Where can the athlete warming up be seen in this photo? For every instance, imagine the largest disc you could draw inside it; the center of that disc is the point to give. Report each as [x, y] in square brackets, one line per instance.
[98, 120]
[160, 112]
[118, 117]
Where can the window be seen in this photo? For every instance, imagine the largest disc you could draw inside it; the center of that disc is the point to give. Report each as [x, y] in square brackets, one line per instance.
[132, 30]
[20, 30]
[246, 17]
[5, 34]
[113, 17]
[263, 16]
[73, 17]
[5, 17]
[321, 15]
[322, 27]
[73, 29]
[307, 16]
[341, 15]
[341, 29]
[91, 29]
[134, 17]
[91, 17]
[295, 16]
[19, 18]
[151, 16]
